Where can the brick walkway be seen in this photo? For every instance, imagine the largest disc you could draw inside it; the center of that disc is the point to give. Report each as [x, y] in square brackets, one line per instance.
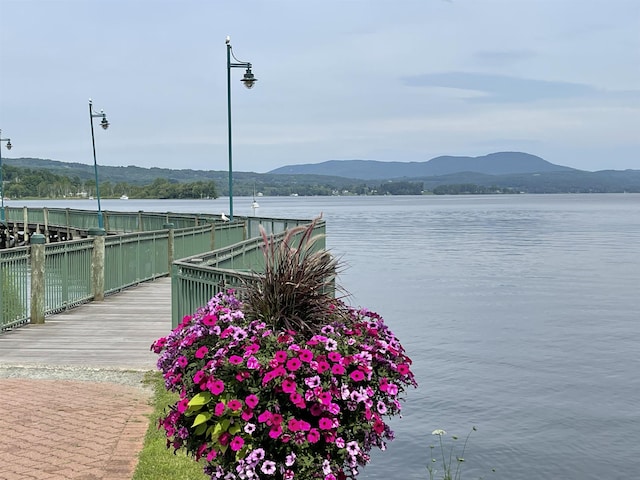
[73, 406]
[64, 430]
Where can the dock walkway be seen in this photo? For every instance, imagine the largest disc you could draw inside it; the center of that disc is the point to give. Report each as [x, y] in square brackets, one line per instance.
[74, 405]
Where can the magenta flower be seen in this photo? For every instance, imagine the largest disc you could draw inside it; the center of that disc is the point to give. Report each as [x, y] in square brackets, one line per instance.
[209, 320]
[281, 356]
[325, 398]
[293, 364]
[322, 367]
[235, 360]
[202, 351]
[334, 356]
[288, 386]
[305, 355]
[337, 369]
[234, 405]
[325, 424]
[356, 376]
[264, 417]
[219, 409]
[253, 363]
[236, 443]
[183, 404]
[215, 386]
[182, 361]
[251, 401]
[313, 436]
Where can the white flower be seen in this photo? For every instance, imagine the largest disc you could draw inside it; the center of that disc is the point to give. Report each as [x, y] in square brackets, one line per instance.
[438, 432]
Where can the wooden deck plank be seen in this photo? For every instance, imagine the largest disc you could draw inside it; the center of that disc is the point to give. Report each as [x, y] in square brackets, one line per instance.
[115, 333]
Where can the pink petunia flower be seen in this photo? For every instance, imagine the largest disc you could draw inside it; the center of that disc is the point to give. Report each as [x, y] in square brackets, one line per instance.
[356, 376]
[288, 385]
[202, 351]
[215, 386]
[293, 364]
[313, 436]
[280, 356]
[305, 355]
[325, 423]
[234, 404]
[183, 404]
[236, 443]
[251, 401]
[235, 359]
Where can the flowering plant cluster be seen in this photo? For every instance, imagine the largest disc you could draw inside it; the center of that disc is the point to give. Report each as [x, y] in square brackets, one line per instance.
[260, 402]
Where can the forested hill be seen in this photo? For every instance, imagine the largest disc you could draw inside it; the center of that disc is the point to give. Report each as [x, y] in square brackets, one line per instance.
[33, 177]
[501, 163]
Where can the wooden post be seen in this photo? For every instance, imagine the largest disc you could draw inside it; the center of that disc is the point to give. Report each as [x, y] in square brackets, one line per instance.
[25, 227]
[45, 212]
[170, 239]
[97, 263]
[37, 279]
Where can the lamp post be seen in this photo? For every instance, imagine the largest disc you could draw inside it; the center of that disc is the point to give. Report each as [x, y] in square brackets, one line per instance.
[248, 80]
[104, 124]
[8, 140]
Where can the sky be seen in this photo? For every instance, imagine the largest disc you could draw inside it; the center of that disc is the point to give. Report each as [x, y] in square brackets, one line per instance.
[386, 80]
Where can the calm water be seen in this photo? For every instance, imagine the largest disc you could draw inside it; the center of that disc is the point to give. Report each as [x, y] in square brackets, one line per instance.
[521, 313]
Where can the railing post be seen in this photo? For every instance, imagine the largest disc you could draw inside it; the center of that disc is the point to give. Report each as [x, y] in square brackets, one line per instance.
[45, 213]
[25, 219]
[170, 244]
[37, 279]
[97, 263]
[213, 236]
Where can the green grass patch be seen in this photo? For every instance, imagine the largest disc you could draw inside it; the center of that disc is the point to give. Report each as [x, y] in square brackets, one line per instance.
[156, 461]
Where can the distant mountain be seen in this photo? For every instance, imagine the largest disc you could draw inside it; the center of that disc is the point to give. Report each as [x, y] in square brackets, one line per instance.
[501, 163]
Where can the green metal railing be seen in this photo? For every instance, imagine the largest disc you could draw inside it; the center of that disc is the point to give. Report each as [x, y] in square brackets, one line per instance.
[133, 258]
[14, 287]
[214, 256]
[195, 279]
[67, 270]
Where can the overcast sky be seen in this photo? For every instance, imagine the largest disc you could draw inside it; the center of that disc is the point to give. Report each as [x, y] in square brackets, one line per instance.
[388, 80]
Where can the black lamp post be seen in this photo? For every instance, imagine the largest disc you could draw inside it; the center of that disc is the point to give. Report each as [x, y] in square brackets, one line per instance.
[8, 140]
[248, 80]
[104, 124]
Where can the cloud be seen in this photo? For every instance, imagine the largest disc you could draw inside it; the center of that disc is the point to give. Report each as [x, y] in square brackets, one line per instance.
[502, 88]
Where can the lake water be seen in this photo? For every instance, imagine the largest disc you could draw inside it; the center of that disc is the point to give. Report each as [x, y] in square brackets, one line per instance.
[521, 313]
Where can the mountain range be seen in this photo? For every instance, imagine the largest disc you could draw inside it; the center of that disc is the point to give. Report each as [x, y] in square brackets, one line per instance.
[500, 163]
[515, 171]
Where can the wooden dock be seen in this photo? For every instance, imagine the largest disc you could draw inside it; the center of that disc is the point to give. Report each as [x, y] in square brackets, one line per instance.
[114, 334]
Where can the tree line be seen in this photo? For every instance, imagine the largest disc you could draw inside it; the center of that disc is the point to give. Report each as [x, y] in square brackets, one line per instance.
[36, 183]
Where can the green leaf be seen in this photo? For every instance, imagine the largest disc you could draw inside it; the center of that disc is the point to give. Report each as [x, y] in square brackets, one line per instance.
[233, 429]
[201, 418]
[200, 399]
[217, 430]
[200, 429]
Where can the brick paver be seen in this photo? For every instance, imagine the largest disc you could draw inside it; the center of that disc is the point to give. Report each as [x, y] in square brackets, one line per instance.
[73, 406]
[70, 430]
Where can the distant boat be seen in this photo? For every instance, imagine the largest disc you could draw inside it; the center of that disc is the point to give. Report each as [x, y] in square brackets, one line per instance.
[254, 204]
[124, 197]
